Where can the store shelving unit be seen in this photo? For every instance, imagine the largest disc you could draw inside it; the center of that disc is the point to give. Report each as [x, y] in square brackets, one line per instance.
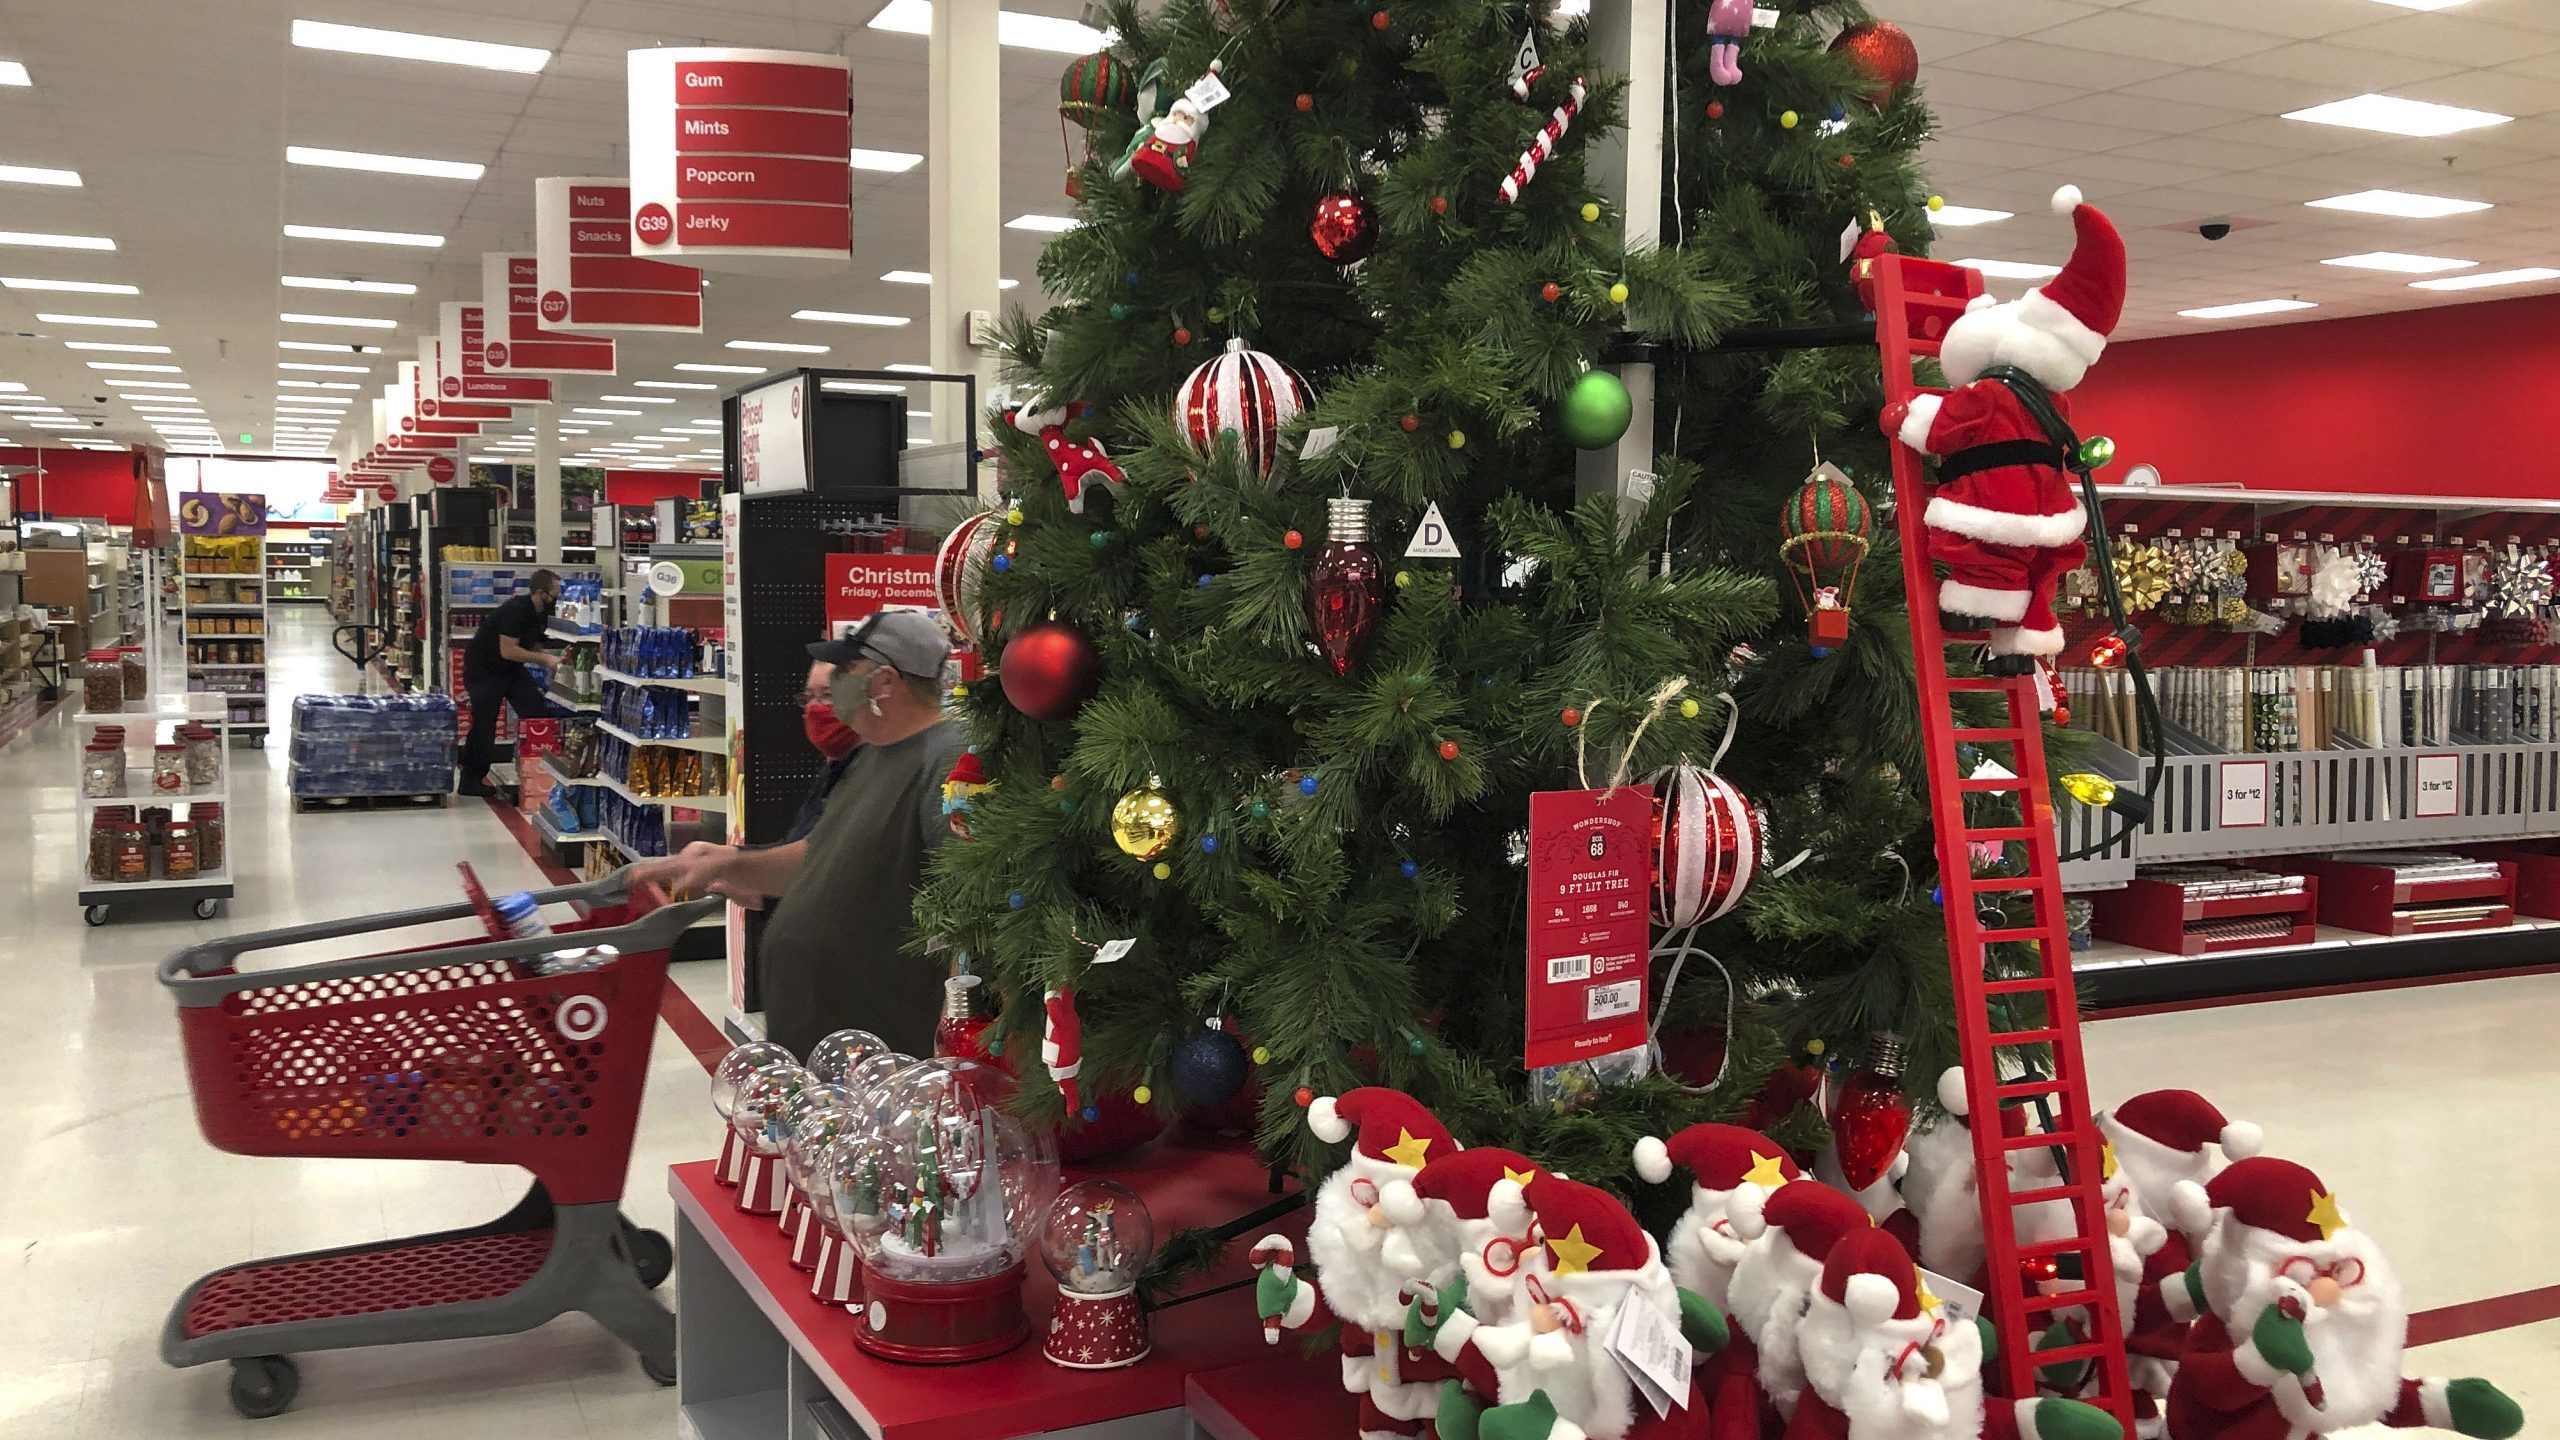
[298, 569]
[144, 724]
[223, 626]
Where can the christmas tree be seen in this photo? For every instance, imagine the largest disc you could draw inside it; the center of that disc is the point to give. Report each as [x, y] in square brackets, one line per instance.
[1321, 754]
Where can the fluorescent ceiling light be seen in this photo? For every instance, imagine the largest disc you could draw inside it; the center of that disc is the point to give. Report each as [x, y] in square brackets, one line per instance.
[910, 369]
[320, 384]
[2400, 204]
[779, 347]
[674, 385]
[41, 240]
[314, 399]
[862, 387]
[147, 408]
[919, 277]
[1048, 224]
[403, 45]
[59, 424]
[2012, 269]
[848, 317]
[323, 369]
[362, 237]
[383, 164]
[360, 322]
[722, 369]
[638, 399]
[38, 175]
[154, 385]
[889, 162]
[135, 366]
[13, 72]
[69, 287]
[2525, 276]
[329, 347]
[2400, 264]
[368, 287]
[110, 345]
[585, 410]
[1024, 32]
[2424, 4]
[1961, 215]
[2391, 115]
[2246, 308]
[119, 322]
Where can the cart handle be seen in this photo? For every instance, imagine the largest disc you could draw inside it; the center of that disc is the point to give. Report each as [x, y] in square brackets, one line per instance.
[191, 972]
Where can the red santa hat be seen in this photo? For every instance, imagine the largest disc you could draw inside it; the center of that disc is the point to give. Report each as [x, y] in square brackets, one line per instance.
[2081, 305]
[1593, 1244]
[1871, 1276]
[1394, 1128]
[2263, 1193]
[1811, 1215]
[2162, 1134]
[1465, 1181]
[1717, 1157]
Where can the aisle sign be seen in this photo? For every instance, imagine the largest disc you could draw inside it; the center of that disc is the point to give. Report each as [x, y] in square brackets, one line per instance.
[773, 438]
[468, 376]
[517, 343]
[418, 412]
[585, 275]
[2439, 786]
[741, 154]
[860, 586]
[442, 470]
[2242, 804]
[1590, 931]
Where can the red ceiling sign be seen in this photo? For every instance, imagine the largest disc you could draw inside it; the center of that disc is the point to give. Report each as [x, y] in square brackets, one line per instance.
[741, 154]
[584, 272]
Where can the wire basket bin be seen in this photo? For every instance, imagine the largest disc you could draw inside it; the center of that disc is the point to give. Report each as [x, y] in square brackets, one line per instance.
[466, 1051]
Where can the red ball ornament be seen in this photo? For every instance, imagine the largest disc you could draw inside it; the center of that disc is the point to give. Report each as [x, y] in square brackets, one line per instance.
[1293, 540]
[1410, 423]
[1243, 392]
[1883, 53]
[1049, 670]
[1708, 845]
[1181, 335]
[1343, 228]
[1715, 109]
[1439, 204]
[1200, 531]
[1448, 749]
[1551, 292]
[2062, 716]
[1306, 103]
[1378, 21]
[1870, 1118]
[1305, 1097]
[1570, 718]
[1848, 161]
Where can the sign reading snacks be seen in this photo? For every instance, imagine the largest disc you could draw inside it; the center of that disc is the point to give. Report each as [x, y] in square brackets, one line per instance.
[741, 155]
[517, 343]
[586, 276]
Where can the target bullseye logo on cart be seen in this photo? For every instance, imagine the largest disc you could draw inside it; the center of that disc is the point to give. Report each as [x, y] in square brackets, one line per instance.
[581, 1017]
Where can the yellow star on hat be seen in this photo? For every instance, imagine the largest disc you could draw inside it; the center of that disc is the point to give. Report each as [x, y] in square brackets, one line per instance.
[1518, 1177]
[2324, 1213]
[1573, 1253]
[2107, 1161]
[1766, 1171]
[1410, 1150]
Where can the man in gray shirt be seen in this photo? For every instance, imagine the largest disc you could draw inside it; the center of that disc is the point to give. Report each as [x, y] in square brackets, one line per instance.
[837, 955]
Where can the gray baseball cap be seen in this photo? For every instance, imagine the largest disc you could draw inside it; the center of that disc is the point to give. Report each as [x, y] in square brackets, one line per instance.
[910, 642]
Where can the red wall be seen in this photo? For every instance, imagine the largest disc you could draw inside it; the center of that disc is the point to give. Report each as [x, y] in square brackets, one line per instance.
[2444, 401]
[77, 484]
[639, 487]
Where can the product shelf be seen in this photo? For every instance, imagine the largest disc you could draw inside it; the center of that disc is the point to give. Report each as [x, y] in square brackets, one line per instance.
[682, 802]
[559, 779]
[694, 684]
[709, 744]
[570, 702]
[138, 791]
[557, 836]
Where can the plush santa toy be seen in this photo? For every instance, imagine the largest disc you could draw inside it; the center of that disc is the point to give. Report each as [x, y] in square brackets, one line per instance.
[1944, 1192]
[2304, 1322]
[2003, 518]
[1164, 157]
[1861, 246]
[1720, 1159]
[1397, 1137]
[2159, 1139]
[1558, 1377]
[1463, 1231]
[1079, 462]
[1786, 1237]
[1883, 1361]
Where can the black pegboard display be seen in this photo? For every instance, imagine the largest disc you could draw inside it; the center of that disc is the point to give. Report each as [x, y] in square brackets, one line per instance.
[783, 542]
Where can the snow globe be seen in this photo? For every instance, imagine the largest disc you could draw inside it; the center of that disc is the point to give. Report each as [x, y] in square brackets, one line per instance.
[962, 1188]
[832, 1059]
[1097, 1239]
[816, 1115]
[758, 1122]
[846, 1196]
[733, 1072]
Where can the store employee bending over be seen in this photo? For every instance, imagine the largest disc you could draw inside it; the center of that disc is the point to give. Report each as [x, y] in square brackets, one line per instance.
[494, 673]
[837, 955]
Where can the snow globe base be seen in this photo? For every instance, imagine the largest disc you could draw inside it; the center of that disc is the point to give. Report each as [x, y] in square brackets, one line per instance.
[762, 1185]
[732, 1156]
[799, 1224]
[925, 1323]
[836, 1277]
[1097, 1332]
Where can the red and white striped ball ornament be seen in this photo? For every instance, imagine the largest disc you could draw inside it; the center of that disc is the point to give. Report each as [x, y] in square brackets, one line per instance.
[1245, 392]
[1709, 842]
[960, 572]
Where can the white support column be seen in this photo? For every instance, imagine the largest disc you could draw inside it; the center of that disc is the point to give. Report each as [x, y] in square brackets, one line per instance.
[546, 491]
[1630, 38]
[964, 218]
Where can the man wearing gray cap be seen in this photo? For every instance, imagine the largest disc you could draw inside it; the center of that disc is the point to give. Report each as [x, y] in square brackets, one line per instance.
[837, 955]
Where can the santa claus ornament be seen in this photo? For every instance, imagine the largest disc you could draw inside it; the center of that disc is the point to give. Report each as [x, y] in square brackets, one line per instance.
[1463, 1225]
[2164, 1138]
[1786, 1235]
[2303, 1321]
[1721, 1160]
[1164, 158]
[2003, 517]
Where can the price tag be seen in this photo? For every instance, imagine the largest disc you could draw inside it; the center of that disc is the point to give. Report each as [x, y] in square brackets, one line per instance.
[1318, 441]
[1764, 17]
[1648, 1345]
[1526, 60]
[1608, 1002]
[1957, 1304]
[1590, 873]
[1113, 950]
[1206, 93]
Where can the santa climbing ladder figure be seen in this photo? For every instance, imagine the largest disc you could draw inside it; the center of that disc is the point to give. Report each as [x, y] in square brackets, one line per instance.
[2004, 520]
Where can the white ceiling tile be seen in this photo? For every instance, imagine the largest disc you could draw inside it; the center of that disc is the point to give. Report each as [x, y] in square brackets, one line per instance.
[2344, 67]
[2123, 32]
[2050, 131]
[2004, 17]
[2438, 35]
[2229, 89]
[2141, 113]
[1998, 94]
[2083, 71]
[2301, 19]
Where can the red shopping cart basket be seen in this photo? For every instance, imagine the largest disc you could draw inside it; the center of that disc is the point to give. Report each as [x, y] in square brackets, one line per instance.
[466, 1051]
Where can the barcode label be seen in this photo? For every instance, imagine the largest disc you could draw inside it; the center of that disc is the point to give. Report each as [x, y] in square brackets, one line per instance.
[1568, 967]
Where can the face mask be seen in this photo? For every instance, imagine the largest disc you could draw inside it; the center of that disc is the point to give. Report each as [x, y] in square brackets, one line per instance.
[851, 695]
[832, 736]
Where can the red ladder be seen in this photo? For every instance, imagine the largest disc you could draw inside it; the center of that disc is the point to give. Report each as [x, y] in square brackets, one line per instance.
[1915, 301]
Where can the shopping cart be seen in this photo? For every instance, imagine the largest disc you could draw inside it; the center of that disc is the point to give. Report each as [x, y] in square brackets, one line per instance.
[459, 1051]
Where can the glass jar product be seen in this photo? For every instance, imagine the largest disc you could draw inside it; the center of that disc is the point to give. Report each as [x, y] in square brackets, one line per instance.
[204, 756]
[102, 769]
[209, 836]
[132, 854]
[169, 769]
[178, 859]
[102, 682]
[137, 676]
[102, 849]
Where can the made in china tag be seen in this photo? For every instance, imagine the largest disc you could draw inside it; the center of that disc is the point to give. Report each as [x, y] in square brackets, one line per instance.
[1318, 441]
[1525, 63]
[1764, 17]
[1111, 950]
[1957, 1304]
[1206, 93]
[1431, 538]
[1647, 1344]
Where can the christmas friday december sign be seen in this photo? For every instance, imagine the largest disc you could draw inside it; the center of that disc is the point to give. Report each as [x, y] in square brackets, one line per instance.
[859, 586]
[1590, 937]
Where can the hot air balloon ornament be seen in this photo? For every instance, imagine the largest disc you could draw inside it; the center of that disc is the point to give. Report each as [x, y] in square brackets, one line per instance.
[1826, 526]
[1094, 88]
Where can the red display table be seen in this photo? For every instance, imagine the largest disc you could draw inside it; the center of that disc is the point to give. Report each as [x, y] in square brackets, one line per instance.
[759, 1356]
[1283, 1396]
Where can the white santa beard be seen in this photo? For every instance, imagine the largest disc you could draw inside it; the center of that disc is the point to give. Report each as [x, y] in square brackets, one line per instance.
[1493, 1299]
[1603, 1398]
[1950, 1215]
[1353, 1277]
[1701, 1256]
[1847, 1368]
[2356, 1348]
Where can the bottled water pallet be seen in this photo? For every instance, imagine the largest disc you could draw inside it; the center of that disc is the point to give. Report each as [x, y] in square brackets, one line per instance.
[310, 804]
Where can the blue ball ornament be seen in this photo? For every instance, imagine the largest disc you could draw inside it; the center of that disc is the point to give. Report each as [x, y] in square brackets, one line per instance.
[1017, 900]
[1208, 844]
[1938, 895]
[1002, 563]
[1306, 784]
[1091, 1114]
[1839, 113]
[1821, 652]
[1204, 581]
[1207, 1068]
[1409, 869]
[1130, 278]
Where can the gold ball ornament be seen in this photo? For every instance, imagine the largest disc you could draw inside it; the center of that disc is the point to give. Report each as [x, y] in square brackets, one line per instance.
[1162, 871]
[1457, 439]
[1142, 1095]
[1688, 709]
[1937, 203]
[1618, 293]
[1261, 1055]
[1787, 119]
[1590, 212]
[1143, 823]
[1013, 516]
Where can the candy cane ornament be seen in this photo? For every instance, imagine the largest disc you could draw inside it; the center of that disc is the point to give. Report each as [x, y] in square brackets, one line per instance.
[1543, 148]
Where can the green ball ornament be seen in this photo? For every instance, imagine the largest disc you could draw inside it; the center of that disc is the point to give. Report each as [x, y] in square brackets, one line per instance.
[1596, 411]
